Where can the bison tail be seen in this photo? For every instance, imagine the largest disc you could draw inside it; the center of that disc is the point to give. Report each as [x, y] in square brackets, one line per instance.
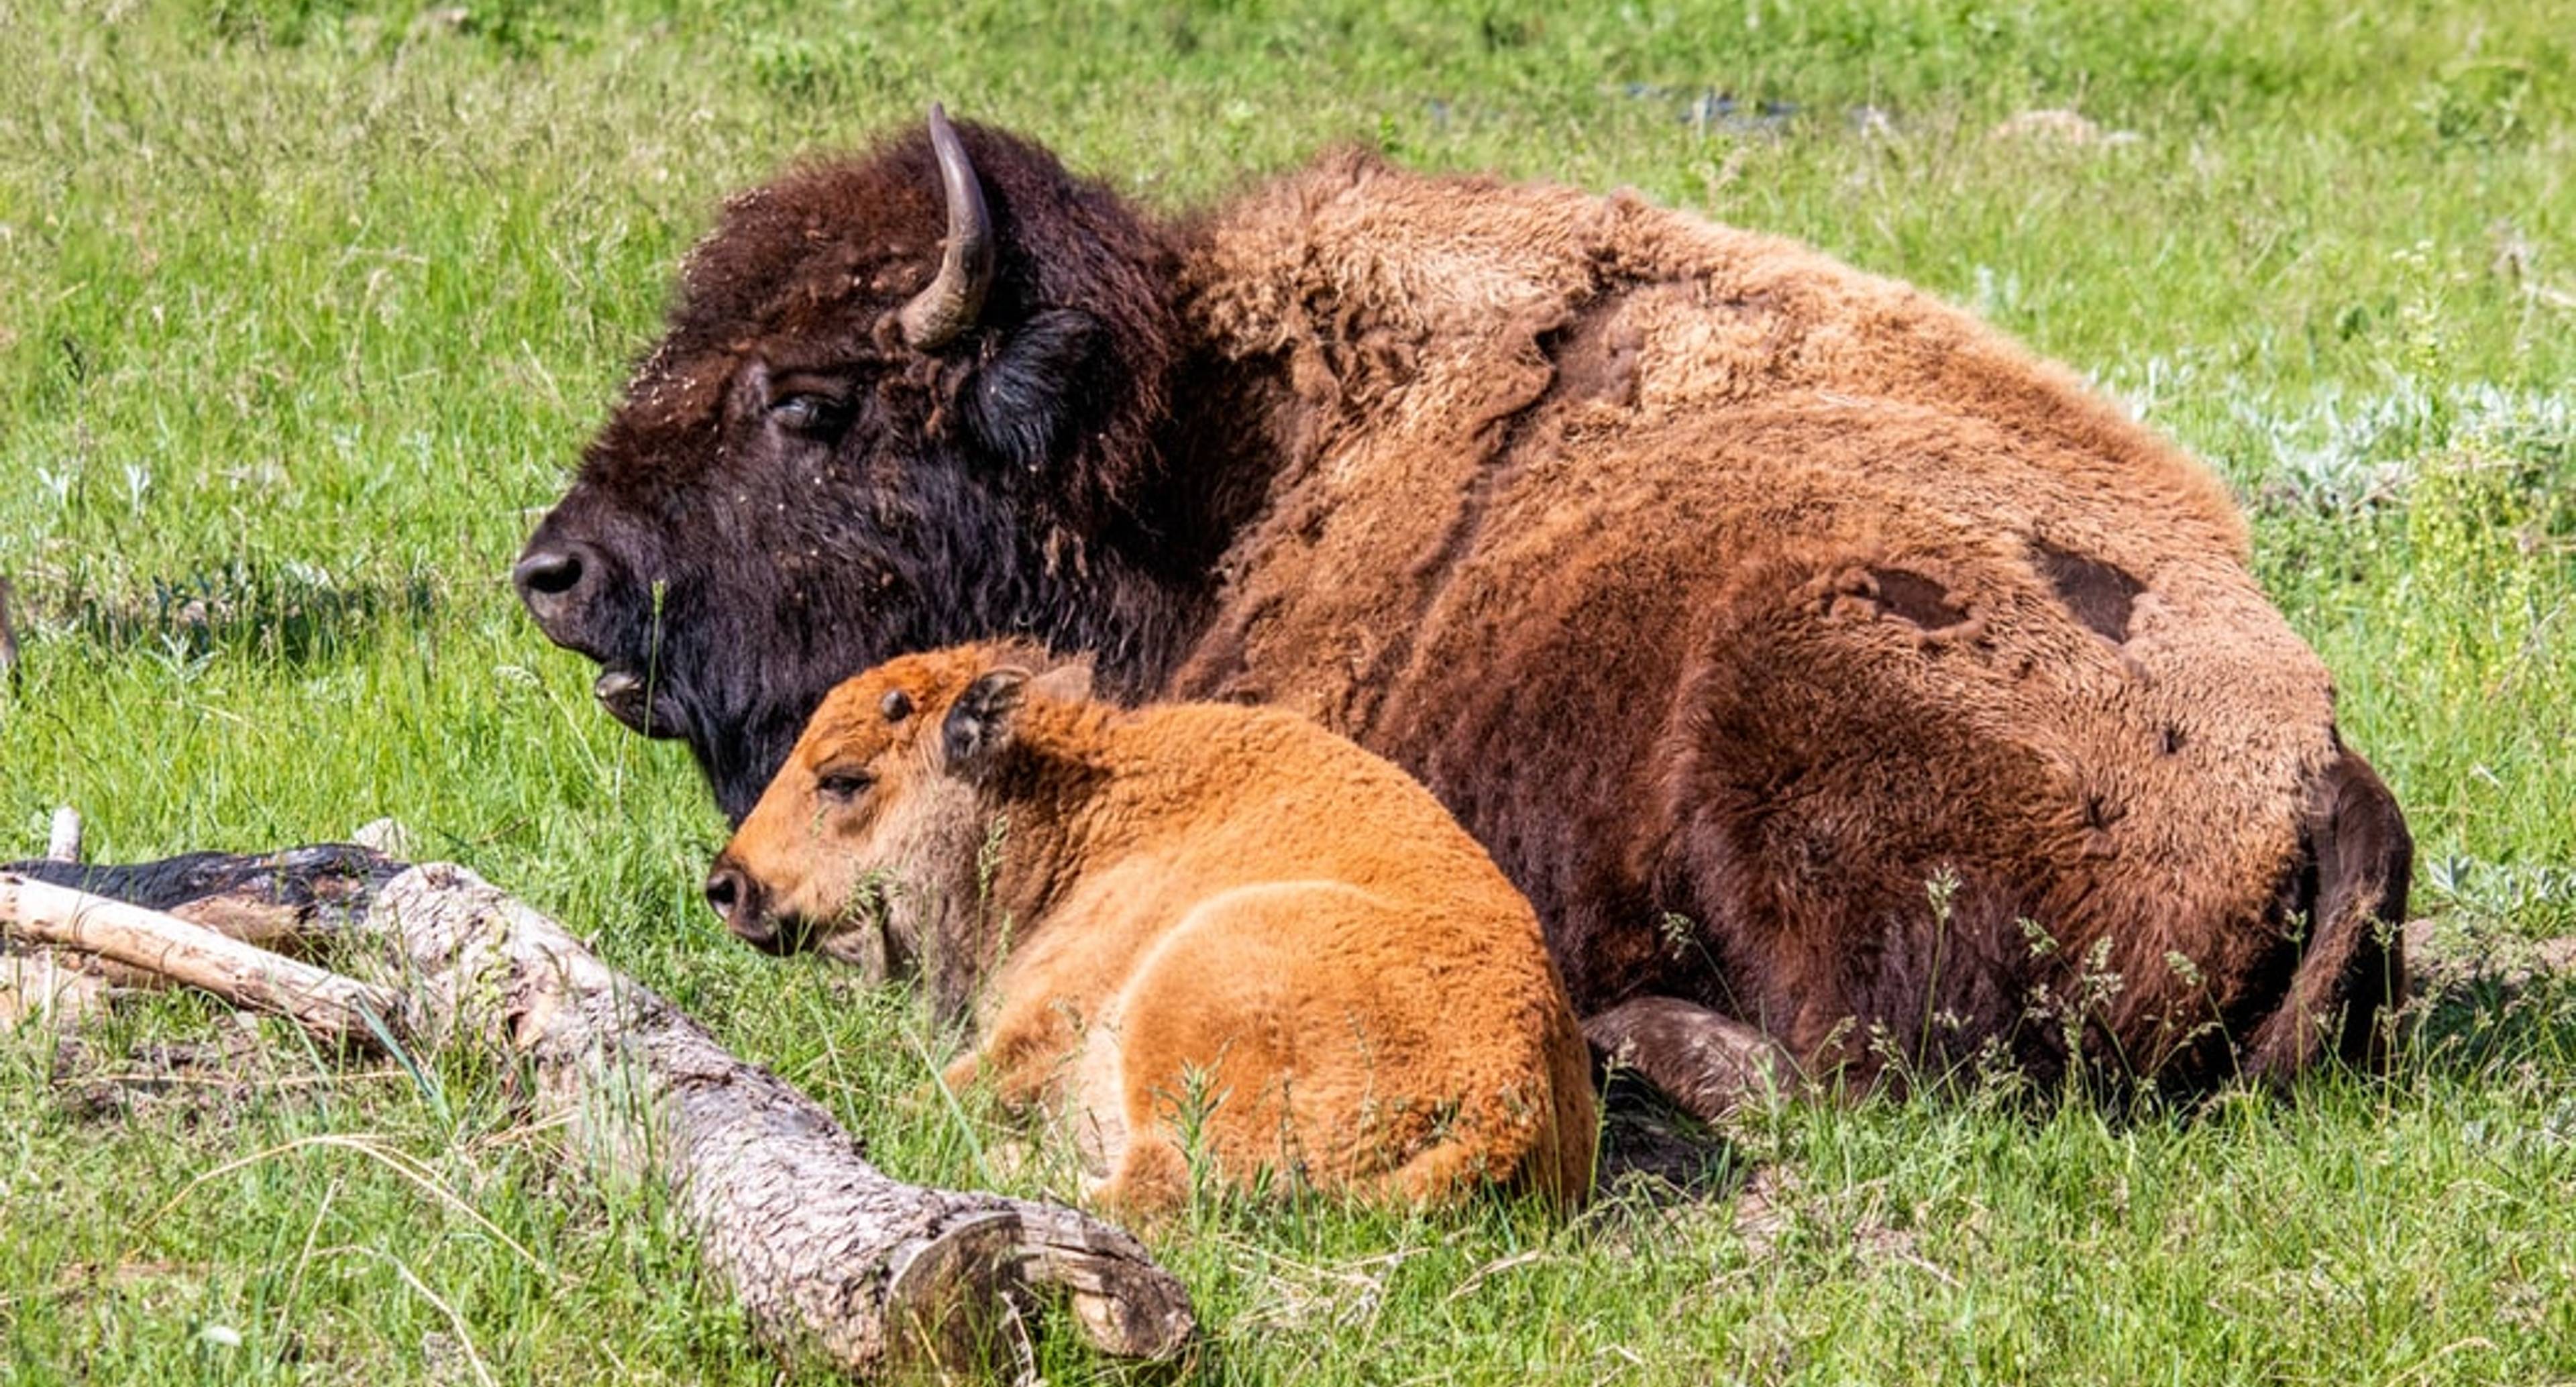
[2354, 965]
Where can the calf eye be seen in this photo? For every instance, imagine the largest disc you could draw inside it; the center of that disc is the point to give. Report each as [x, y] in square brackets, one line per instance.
[843, 786]
[816, 416]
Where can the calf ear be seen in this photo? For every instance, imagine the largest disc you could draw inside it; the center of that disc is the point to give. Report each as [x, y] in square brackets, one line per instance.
[979, 723]
[1026, 398]
[1064, 684]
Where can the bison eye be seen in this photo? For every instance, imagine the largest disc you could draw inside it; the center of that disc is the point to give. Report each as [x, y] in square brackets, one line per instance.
[815, 416]
[843, 786]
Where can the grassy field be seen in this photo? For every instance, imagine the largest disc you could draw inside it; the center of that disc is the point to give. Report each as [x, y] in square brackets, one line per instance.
[306, 307]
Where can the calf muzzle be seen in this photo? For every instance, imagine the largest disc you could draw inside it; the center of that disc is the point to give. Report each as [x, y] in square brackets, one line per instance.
[739, 902]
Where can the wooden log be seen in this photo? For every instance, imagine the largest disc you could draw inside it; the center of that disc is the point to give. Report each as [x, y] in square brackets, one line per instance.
[292, 902]
[338, 877]
[827, 1254]
[324, 1003]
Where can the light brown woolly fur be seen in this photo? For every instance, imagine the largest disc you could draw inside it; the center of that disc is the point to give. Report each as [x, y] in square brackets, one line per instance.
[1738, 600]
[1188, 915]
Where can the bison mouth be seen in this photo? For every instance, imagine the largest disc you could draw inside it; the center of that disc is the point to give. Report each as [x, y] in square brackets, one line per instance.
[785, 935]
[779, 937]
[637, 705]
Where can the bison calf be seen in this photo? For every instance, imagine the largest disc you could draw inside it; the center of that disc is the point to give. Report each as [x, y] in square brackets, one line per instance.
[1192, 914]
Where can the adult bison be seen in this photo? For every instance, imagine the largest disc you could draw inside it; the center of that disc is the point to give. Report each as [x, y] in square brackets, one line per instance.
[1829, 672]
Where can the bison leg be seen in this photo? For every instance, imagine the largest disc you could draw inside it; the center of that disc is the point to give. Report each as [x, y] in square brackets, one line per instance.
[1707, 1063]
[1152, 1179]
[2355, 961]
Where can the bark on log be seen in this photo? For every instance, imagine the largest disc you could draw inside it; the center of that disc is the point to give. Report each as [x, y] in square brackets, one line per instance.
[303, 891]
[826, 1252]
[828, 1255]
[290, 902]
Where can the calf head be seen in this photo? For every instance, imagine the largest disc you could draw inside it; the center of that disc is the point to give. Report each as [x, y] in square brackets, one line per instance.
[904, 400]
[875, 843]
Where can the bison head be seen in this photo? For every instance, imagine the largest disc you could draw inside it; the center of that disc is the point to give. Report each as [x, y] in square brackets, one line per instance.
[872, 844]
[904, 400]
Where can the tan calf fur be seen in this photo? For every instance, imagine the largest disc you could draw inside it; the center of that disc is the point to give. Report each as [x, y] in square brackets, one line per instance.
[1186, 916]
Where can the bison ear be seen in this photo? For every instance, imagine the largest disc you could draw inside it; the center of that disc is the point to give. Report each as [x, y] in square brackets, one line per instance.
[1026, 399]
[979, 723]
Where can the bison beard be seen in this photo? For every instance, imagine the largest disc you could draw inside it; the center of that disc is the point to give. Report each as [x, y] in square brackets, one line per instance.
[1833, 676]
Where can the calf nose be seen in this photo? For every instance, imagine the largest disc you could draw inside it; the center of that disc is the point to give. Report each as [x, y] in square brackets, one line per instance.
[736, 901]
[554, 582]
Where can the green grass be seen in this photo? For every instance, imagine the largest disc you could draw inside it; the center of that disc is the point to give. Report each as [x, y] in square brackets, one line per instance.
[305, 308]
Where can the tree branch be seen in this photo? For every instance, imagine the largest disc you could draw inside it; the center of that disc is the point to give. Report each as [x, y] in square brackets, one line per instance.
[329, 1006]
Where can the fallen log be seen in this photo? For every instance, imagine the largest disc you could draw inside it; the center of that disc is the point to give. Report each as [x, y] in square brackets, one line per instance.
[36, 983]
[287, 902]
[332, 1008]
[828, 1256]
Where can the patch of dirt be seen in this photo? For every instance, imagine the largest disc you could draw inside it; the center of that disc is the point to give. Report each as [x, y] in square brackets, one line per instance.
[1775, 1202]
[1661, 1152]
[191, 1082]
[2442, 961]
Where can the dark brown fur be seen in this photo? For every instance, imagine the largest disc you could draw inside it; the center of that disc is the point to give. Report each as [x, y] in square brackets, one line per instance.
[1810, 655]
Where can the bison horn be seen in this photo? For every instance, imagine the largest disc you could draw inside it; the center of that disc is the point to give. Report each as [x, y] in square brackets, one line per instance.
[948, 307]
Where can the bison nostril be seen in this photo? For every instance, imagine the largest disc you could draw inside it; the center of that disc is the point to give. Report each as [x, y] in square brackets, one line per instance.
[724, 892]
[737, 900]
[548, 573]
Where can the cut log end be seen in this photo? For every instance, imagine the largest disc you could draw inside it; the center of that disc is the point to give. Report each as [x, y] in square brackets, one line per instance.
[953, 1308]
[959, 1306]
[1125, 1304]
